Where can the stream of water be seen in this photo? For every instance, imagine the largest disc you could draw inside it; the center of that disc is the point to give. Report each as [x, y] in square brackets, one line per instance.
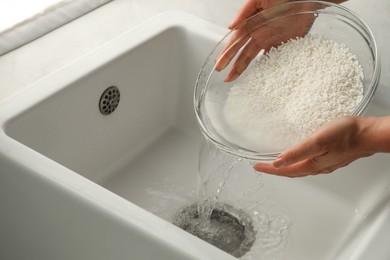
[219, 182]
[227, 187]
[214, 169]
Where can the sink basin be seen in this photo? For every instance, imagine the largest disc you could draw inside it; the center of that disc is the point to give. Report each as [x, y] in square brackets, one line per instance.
[77, 184]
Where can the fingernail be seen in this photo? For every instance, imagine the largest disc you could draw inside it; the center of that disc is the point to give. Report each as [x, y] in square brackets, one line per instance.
[221, 64]
[232, 75]
[279, 163]
[233, 24]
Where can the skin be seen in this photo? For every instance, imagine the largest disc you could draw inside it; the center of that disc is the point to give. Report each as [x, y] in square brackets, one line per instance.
[253, 39]
[252, 7]
[335, 144]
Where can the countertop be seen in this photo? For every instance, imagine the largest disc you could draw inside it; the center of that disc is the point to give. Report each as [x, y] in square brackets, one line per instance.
[35, 60]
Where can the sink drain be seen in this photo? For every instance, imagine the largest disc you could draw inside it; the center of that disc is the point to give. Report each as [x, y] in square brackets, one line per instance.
[109, 100]
[229, 229]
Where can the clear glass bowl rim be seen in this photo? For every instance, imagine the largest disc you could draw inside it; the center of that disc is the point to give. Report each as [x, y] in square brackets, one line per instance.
[201, 86]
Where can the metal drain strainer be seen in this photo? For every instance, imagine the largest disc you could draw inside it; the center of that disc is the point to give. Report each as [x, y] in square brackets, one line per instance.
[109, 100]
[229, 229]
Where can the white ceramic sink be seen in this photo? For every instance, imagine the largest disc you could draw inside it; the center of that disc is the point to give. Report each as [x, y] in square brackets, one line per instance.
[76, 184]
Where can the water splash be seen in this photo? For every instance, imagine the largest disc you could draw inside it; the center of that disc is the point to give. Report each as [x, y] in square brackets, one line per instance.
[224, 179]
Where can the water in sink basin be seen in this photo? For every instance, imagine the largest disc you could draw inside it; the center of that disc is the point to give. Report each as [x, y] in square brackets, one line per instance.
[146, 151]
[265, 231]
[313, 215]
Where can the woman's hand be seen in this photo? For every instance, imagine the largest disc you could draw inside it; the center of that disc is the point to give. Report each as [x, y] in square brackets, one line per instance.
[334, 145]
[250, 36]
[252, 7]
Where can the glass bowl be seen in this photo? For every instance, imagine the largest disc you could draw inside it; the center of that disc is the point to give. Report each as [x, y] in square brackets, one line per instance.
[331, 21]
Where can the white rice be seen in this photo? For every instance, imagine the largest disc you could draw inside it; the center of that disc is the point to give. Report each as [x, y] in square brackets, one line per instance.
[293, 90]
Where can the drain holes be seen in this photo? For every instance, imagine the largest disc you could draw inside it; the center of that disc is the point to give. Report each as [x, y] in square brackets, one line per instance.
[229, 229]
[109, 100]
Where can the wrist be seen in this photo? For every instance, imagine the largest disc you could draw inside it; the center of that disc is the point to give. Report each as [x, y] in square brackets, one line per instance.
[375, 134]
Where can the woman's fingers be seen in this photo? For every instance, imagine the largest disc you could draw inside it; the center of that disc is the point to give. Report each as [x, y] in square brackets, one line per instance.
[230, 50]
[300, 169]
[242, 35]
[305, 150]
[334, 145]
[259, 34]
[326, 163]
[248, 53]
[259, 41]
